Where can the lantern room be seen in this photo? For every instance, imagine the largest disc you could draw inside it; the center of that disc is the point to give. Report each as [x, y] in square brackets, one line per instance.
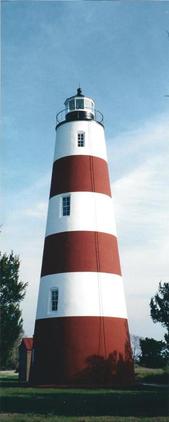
[79, 106]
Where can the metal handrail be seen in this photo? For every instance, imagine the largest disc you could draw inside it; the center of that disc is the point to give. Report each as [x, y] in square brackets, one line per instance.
[100, 118]
[60, 117]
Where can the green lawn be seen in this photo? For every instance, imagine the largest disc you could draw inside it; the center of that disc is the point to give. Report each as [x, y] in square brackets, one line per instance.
[152, 375]
[47, 418]
[141, 403]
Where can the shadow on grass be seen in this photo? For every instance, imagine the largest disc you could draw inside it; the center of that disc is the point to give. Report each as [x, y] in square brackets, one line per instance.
[9, 382]
[136, 402]
[155, 379]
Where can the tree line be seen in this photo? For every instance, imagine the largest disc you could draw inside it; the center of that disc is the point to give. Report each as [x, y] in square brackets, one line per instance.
[12, 292]
[148, 351]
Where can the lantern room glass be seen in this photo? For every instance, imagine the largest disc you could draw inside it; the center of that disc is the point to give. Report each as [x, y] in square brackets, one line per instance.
[79, 104]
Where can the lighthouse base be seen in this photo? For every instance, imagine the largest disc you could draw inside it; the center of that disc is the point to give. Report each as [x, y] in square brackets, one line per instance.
[82, 351]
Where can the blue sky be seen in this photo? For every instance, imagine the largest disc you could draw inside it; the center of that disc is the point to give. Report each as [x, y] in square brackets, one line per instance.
[119, 52]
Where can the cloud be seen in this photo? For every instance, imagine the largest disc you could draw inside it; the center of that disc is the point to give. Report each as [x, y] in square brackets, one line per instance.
[140, 194]
[133, 148]
[141, 199]
[141, 207]
[38, 211]
[23, 231]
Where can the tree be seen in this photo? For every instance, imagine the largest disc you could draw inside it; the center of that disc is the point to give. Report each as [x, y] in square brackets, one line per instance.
[159, 308]
[152, 353]
[12, 292]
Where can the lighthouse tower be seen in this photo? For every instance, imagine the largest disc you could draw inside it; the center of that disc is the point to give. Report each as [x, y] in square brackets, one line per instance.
[81, 331]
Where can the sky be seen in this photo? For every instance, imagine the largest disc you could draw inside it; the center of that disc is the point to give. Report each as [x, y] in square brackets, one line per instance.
[119, 53]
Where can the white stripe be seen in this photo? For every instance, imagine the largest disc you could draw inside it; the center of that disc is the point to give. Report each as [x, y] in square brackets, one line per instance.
[66, 140]
[89, 212]
[82, 294]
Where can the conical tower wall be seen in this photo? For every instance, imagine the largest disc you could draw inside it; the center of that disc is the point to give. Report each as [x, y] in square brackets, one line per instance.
[85, 339]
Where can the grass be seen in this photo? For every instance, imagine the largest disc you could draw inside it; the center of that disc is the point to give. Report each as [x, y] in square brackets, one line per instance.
[48, 418]
[141, 403]
[152, 375]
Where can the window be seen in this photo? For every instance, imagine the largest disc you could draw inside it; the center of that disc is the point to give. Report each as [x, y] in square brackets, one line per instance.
[88, 104]
[79, 104]
[81, 139]
[71, 104]
[66, 205]
[54, 299]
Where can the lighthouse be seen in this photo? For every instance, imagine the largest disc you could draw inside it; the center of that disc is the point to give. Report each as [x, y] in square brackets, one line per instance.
[81, 334]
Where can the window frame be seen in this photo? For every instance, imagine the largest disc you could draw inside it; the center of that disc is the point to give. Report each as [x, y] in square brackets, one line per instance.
[81, 139]
[52, 300]
[66, 208]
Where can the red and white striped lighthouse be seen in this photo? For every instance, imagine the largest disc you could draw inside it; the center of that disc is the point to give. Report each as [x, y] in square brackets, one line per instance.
[81, 331]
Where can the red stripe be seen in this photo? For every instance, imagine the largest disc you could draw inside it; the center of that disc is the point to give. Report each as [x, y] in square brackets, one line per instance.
[78, 173]
[88, 350]
[80, 251]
